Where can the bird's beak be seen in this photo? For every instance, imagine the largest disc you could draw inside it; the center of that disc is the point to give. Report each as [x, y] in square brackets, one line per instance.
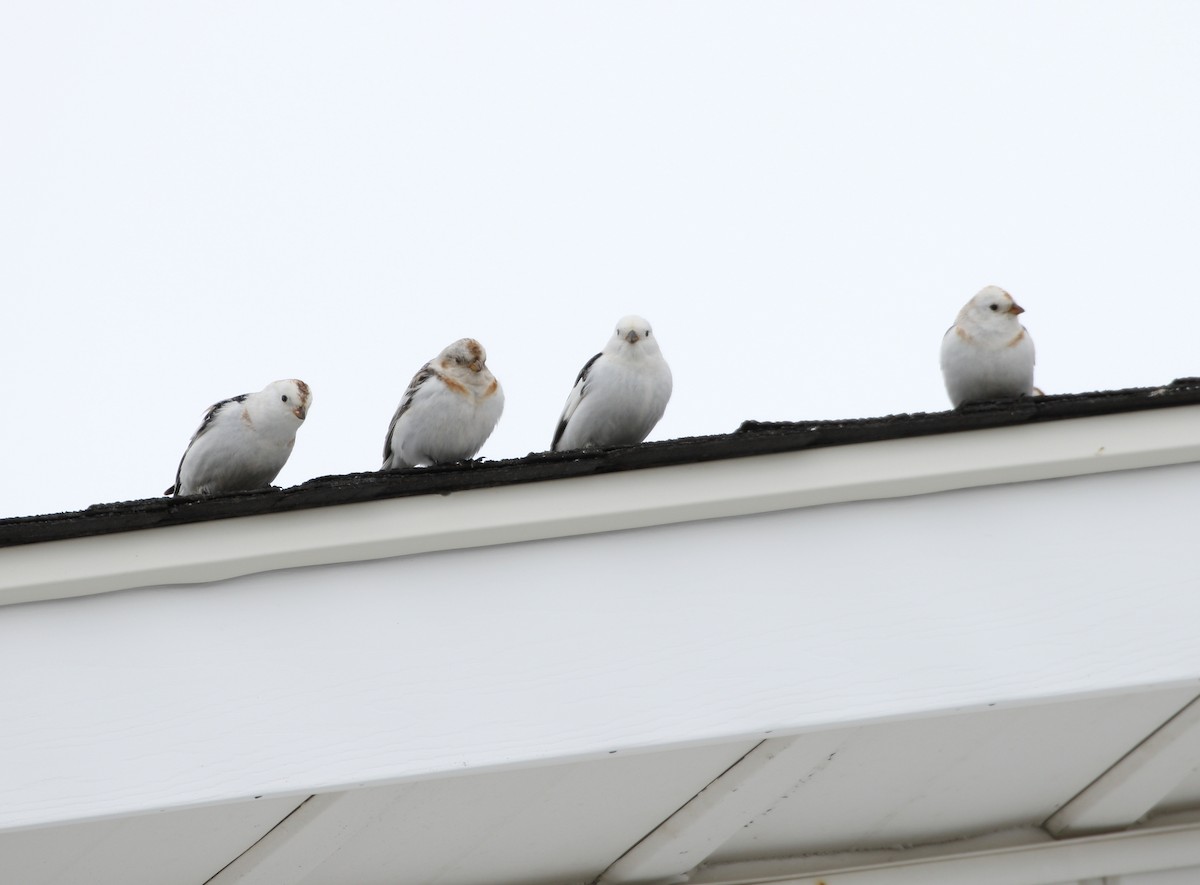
[476, 366]
[1016, 309]
[632, 336]
[300, 412]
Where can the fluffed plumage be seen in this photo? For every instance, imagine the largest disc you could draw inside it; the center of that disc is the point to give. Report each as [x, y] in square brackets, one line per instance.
[448, 411]
[243, 442]
[987, 354]
[620, 394]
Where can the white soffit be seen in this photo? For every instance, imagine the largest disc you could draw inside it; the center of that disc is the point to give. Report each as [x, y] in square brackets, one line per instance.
[218, 549]
[906, 800]
[1138, 782]
[552, 824]
[1156, 856]
[1186, 794]
[916, 781]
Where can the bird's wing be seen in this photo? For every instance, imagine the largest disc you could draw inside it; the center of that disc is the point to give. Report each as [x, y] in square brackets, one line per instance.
[573, 400]
[205, 425]
[427, 372]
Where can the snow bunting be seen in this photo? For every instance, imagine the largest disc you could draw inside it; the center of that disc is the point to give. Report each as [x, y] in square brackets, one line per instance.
[449, 410]
[243, 442]
[987, 354]
[620, 394]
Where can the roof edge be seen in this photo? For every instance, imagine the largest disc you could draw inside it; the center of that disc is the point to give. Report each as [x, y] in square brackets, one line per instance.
[223, 548]
[751, 439]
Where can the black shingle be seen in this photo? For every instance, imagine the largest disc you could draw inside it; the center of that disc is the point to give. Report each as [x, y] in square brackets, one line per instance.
[752, 438]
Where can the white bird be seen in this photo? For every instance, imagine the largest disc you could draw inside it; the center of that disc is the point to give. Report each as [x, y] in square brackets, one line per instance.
[243, 442]
[987, 354]
[449, 410]
[620, 394]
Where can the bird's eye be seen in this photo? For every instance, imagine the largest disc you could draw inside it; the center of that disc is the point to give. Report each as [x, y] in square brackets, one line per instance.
[994, 306]
[284, 397]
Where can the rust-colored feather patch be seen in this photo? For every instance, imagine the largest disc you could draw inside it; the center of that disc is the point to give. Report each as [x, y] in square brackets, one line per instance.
[1017, 340]
[454, 385]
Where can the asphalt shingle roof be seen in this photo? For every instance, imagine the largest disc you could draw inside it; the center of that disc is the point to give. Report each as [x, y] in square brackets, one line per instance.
[752, 438]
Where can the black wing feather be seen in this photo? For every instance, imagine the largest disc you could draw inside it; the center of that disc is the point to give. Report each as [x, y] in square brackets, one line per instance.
[205, 424]
[427, 372]
[581, 379]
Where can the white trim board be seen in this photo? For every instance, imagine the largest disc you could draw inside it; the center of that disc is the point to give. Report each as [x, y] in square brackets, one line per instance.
[219, 549]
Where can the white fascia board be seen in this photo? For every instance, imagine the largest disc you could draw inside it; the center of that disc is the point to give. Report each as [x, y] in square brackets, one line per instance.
[219, 549]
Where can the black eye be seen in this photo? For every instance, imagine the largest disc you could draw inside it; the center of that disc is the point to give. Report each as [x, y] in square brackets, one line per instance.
[994, 306]
[647, 333]
[284, 397]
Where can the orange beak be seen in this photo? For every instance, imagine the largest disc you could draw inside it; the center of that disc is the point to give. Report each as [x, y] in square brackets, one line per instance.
[1016, 309]
[476, 366]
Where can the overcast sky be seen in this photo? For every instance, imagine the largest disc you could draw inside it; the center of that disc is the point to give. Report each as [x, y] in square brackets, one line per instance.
[198, 199]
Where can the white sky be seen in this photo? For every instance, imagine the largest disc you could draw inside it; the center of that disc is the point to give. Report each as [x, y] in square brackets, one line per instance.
[197, 199]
